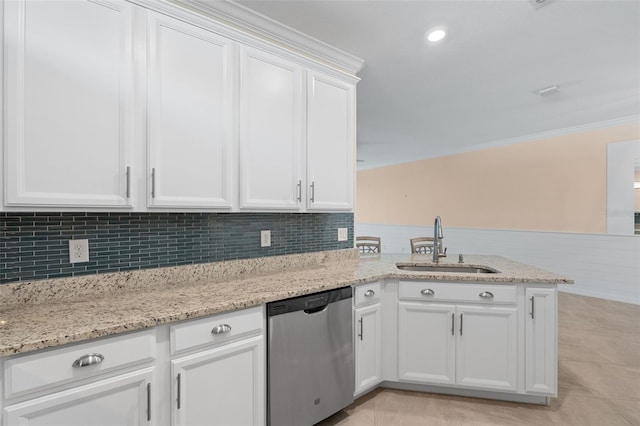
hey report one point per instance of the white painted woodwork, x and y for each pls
(443, 291)
(541, 365)
(119, 400)
(426, 344)
(330, 143)
(368, 347)
(68, 102)
(367, 293)
(44, 370)
(190, 112)
(487, 347)
(272, 115)
(199, 333)
(221, 386)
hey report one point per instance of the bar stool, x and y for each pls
(422, 245)
(368, 244)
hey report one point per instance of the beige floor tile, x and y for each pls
(602, 380)
(599, 348)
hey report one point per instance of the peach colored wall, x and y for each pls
(554, 184)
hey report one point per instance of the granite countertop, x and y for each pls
(73, 310)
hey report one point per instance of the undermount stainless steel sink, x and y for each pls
(465, 269)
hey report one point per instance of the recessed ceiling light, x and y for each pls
(436, 35)
(546, 91)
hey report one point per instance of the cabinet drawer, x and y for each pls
(42, 370)
(216, 329)
(367, 293)
(457, 292)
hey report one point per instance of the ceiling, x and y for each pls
(475, 89)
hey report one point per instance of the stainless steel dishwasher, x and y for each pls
(310, 357)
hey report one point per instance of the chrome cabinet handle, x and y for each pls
(178, 391)
(453, 324)
(148, 402)
(299, 191)
(486, 295)
(461, 324)
(221, 329)
(533, 307)
(369, 293)
(313, 192)
(87, 360)
(128, 182)
(427, 292)
(153, 183)
(361, 331)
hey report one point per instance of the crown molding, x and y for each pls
(243, 19)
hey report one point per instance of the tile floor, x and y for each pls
(598, 380)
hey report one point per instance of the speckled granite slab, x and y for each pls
(108, 304)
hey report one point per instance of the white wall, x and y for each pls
(604, 266)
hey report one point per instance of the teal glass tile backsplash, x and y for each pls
(35, 245)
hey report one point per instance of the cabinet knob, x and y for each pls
(87, 360)
(486, 295)
(369, 293)
(221, 329)
(427, 292)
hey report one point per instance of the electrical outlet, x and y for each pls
(78, 251)
(343, 234)
(265, 238)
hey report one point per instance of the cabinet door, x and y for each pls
(123, 400)
(426, 343)
(368, 348)
(190, 112)
(271, 124)
(330, 143)
(223, 386)
(68, 113)
(541, 363)
(486, 348)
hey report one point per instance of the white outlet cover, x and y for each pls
(343, 234)
(78, 251)
(265, 238)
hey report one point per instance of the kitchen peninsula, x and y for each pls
(153, 317)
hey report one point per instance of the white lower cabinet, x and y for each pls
(368, 348)
(426, 344)
(102, 382)
(487, 347)
(211, 373)
(367, 336)
(457, 342)
(471, 346)
(218, 370)
(222, 386)
(541, 364)
(123, 400)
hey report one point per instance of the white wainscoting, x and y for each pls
(604, 266)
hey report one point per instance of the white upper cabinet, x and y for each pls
(190, 115)
(271, 131)
(330, 143)
(68, 115)
(110, 105)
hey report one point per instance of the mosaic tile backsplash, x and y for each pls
(35, 245)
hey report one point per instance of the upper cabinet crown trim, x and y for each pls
(256, 25)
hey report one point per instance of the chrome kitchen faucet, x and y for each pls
(437, 240)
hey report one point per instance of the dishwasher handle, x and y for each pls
(316, 310)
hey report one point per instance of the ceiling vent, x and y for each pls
(537, 4)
